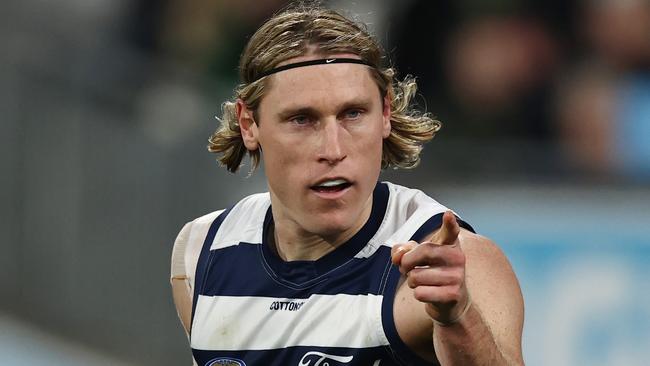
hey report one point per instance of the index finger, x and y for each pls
(449, 230)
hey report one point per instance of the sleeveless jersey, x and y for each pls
(252, 308)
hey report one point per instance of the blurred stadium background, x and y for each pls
(107, 104)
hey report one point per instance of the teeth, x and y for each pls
(332, 183)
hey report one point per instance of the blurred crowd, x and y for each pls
(574, 74)
(553, 87)
(549, 88)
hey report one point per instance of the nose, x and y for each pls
(331, 149)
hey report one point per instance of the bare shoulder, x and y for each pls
(487, 266)
(476, 243)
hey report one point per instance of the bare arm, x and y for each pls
(180, 281)
(490, 332)
(467, 286)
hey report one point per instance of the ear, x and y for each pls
(247, 126)
(386, 114)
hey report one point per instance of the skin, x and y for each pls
(333, 125)
(314, 135)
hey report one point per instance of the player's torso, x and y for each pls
(252, 308)
(255, 316)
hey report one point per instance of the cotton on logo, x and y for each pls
(323, 359)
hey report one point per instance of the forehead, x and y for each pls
(320, 85)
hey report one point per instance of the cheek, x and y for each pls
(285, 164)
(368, 145)
(289, 151)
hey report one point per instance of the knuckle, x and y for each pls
(460, 256)
(455, 258)
(431, 252)
(412, 281)
(397, 248)
(454, 294)
(457, 274)
(446, 298)
(421, 295)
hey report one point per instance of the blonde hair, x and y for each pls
(310, 28)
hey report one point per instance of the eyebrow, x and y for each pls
(294, 111)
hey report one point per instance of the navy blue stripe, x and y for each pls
(203, 262)
(465, 225)
(294, 355)
(401, 351)
(242, 262)
(434, 223)
(306, 273)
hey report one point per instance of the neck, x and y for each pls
(293, 243)
(301, 248)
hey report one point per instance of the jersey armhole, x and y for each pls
(201, 262)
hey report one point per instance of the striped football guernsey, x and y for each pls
(252, 308)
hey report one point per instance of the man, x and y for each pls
(331, 267)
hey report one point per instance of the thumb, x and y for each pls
(449, 231)
(398, 251)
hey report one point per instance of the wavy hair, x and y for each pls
(308, 28)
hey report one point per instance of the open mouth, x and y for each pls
(334, 185)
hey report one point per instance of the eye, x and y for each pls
(352, 114)
(300, 119)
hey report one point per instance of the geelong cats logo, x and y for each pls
(226, 362)
(323, 359)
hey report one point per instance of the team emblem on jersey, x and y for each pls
(323, 358)
(224, 361)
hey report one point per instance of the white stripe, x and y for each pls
(406, 211)
(247, 216)
(248, 323)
